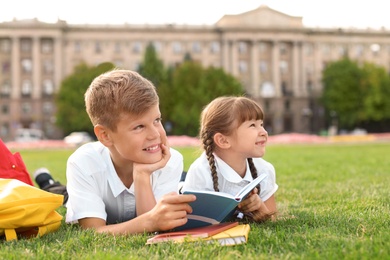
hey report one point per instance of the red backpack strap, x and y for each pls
(12, 165)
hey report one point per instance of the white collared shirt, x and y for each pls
(95, 190)
(229, 181)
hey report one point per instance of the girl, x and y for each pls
(234, 139)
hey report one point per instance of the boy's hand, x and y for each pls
(147, 169)
(170, 211)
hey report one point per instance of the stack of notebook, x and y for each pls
(228, 233)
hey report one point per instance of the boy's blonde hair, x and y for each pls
(116, 92)
(224, 115)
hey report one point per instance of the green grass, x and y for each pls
(333, 202)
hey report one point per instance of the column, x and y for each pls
(275, 68)
(57, 63)
(317, 67)
(234, 59)
(255, 69)
(15, 68)
(225, 55)
(303, 71)
(36, 69)
(295, 69)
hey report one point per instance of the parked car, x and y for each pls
(28, 135)
(78, 138)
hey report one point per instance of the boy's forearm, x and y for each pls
(144, 196)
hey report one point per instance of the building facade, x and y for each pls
(277, 59)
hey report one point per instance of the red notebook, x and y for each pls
(191, 234)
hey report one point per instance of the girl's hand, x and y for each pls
(255, 207)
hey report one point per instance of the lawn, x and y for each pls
(333, 203)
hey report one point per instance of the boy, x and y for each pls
(125, 183)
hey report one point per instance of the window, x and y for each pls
(25, 45)
(263, 47)
(375, 49)
(267, 89)
(118, 63)
(48, 66)
(27, 65)
(26, 87)
(283, 65)
(157, 46)
(5, 45)
(4, 131)
(6, 66)
(4, 109)
(242, 48)
(48, 87)
(47, 46)
(26, 108)
(242, 66)
(359, 50)
(287, 105)
(325, 49)
(283, 49)
(47, 108)
(177, 47)
(98, 47)
(196, 48)
(309, 86)
(137, 47)
(117, 47)
(77, 47)
(342, 50)
(215, 47)
(263, 66)
(6, 88)
(309, 49)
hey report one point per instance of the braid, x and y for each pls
(208, 145)
(253, 171)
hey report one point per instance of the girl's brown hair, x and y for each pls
(224, 115)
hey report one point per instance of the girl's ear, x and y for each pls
(102, 135)
(221, 141)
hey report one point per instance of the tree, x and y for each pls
(360, 96)
(190, 89)
(376, 106)
(342, 92)
(71, 115)
(152, 67)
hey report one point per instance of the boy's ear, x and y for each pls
(102, 135)
(221, 141)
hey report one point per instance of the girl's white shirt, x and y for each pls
(229, 181)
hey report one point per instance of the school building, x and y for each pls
(277, 58)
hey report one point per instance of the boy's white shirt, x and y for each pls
(95, 190)
(199, 177)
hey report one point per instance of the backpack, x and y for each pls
(12, 165)
(27, 211)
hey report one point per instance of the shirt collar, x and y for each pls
(116, 185)
(229, 174)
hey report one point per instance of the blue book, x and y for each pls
(212, 207)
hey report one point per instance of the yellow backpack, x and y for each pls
(27, 211)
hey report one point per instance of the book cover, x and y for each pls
(212, 207)
(191, 234)
(232, 236)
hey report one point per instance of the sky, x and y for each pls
(315, 13)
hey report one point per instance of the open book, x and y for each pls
(212, 207)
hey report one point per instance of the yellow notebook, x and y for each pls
(233, 236)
